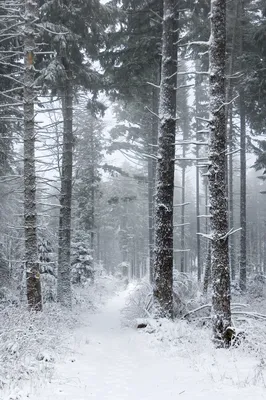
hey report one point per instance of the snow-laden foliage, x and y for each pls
(139, 303)
(31, 342)
(82, 264)
(186, 295)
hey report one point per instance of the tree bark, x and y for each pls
(231, 197)
(208, 268)
(243, 184)
(30, 216)
(221, 298)
(163, 249)
(64, 244)
(229, 118)
(183, 199)
(197, 83)
(151, 179)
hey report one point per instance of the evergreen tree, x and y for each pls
(217, 176)
(163, 249)
(75, 30)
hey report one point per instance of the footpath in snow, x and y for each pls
(116, 363)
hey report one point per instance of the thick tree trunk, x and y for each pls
(221, 297)
(64, 245)
(163, 249)
(30, 216)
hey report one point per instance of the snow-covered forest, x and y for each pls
(132, 208)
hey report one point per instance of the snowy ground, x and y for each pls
(116, 363)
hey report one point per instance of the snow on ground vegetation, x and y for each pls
(32, 343)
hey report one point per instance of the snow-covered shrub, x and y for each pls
(256, 285)
(93, 296)
(47, 260)
(187, 293)
(30, 341)
(82, 268)
(139, 303)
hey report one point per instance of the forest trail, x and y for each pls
(111, 362)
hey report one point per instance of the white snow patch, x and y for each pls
(117, 363)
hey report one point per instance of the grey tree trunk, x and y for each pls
(231, 197)
(30, 216)
(163, 249)
(64, 242)
(243, 184)
(151, 178)
(221, 298)
(229, 118)
(183, 199)
(208, 268)
(197, 83)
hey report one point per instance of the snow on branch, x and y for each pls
(210, 236)
(187, 142)
(194, 73)
(153, 113)
(153, 85)
(229, 233)
(181, 250)
(196, 43)
(227, 103)
(181, 204)
(197, 309)
(233, 152)
(179, 225)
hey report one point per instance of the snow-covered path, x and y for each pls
(116, 363)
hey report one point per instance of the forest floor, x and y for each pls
(112, 362)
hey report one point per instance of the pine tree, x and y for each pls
(163, 249)
(31, 249)
(217, 176)
(75, 31)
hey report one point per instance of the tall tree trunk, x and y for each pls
(243, 184)
(163, 249)
(229, 118)
(151, 176)
(231, 197)
(208, 269)
(221, 297)
(198, 178)
(64, 245)
(183, 199)
(30, 215)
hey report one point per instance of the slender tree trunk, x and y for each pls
(208, 268)
(198, 180)
(163, 249)
(243, 184)
(221, 297)
(229, 118)
(231, 197)
(30, 215)
(151, 177)
(64, 265)
(183, 199)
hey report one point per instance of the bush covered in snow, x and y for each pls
(30, 341)
(140, 301)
